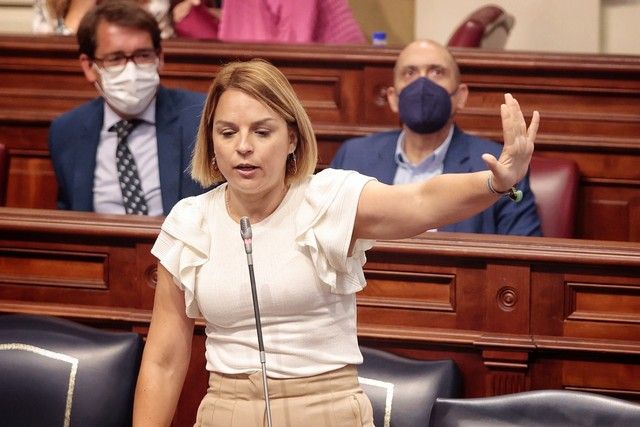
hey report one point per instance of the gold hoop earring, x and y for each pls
(292, 163)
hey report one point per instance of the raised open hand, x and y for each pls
(514, 160)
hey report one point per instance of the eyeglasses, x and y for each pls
(116, 62)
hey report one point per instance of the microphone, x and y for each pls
(245, 233)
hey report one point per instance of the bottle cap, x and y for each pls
(379, 37)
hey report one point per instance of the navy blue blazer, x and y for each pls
(73, 144)
(373, 155)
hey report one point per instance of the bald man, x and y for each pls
(427, 93)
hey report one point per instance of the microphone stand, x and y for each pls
(245, 232)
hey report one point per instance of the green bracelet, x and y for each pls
(513, 193)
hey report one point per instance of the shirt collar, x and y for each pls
(434, 159)
(148, 115)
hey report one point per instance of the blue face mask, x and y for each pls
(424, 106)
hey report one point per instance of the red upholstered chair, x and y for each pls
(4, 173)
(487, 27)
(554, 183)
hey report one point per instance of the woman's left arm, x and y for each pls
(399, 211)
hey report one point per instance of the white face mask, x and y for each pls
(130, 91)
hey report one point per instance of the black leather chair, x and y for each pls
(55, 372)
(544, 408)
(402, 390)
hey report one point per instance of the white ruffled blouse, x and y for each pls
(305, 277)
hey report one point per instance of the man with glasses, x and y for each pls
(127, 151)
(427, 93)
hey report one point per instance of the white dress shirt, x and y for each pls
(107, 197)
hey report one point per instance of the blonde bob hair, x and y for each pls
(264, 82)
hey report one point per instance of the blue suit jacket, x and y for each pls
(73, 144)
(374, 156)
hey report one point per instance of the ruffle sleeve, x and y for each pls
(324, 226)
(182, 246)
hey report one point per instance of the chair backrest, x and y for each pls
(486, 27)
(402, 390)
(55, 372)
(4, 173)
(554, 182)
(544, 408)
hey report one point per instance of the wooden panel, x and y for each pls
(48, 258)
(424, 291)
(612, 303)
(507, 293)
(32, 182)
(590, 107)
(52, 268)
(434, 291)
(607, 205)
(514, 313)
(375, 108)
(586, 374)
(601, 376)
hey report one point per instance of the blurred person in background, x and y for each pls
(62, 17)
(272, 21)
(120, 55)
(427, 93)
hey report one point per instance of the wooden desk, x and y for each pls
(590, 108)
(515, 313)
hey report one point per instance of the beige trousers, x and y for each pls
(333, 399)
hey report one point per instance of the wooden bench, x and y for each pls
(590, 108)
(514, 313)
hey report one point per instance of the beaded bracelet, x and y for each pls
(513, 193)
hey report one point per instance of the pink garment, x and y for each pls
(198, 24)
(289, 21)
